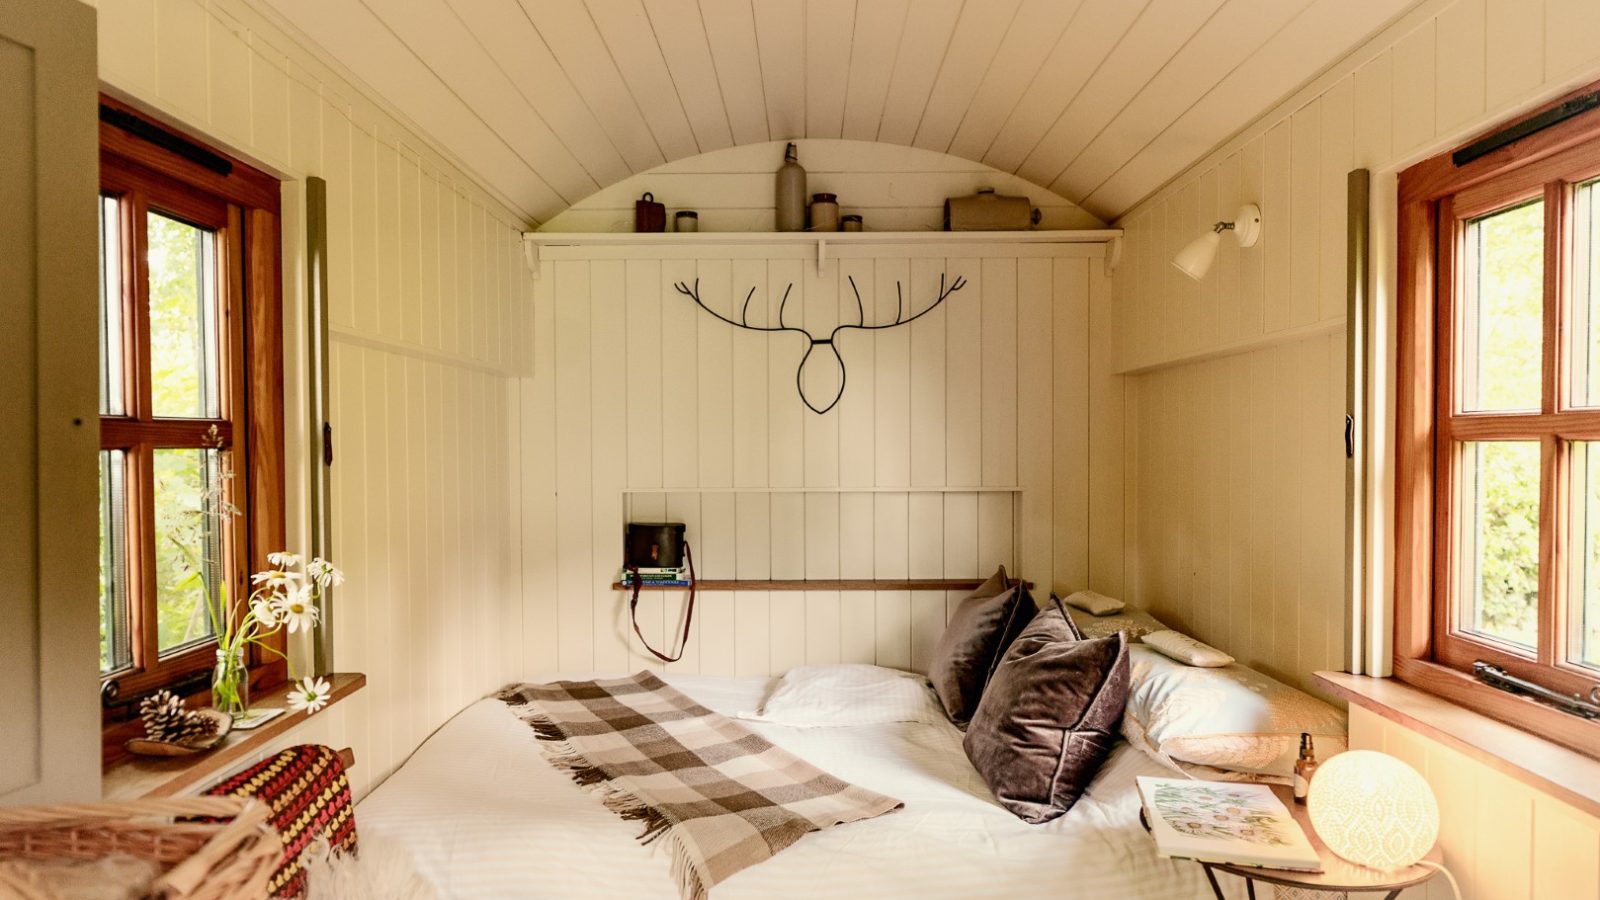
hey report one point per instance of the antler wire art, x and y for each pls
(830, 341)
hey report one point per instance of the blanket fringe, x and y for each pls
(690, 885)
(560, 753)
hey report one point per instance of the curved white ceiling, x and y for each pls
(1101, 101)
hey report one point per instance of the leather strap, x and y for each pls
(688, 616)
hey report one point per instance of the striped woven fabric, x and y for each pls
(309, 795)
(719, 796)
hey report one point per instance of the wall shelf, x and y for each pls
(817, 584)
(541, 244)
(132, 777)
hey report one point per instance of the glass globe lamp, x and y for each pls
(1373, 810)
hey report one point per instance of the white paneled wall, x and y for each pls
(1234, 485)
(962, 440)
(1237, 491)
(427, 283)
(1235, 482)
(894, 188)
(1501, 838)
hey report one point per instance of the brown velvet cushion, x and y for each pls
(980, 630)
(1049, 717)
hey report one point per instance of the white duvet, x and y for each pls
(483, 815)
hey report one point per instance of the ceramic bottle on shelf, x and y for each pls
(824, 212)
(791, 192)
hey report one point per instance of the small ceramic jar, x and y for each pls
(851, 222)
(686, 220)
(824, 212)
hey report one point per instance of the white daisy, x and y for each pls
(266, 610)
(323, 573)
(276, 578)
(311, 694)
(296, 610)
(283, 559)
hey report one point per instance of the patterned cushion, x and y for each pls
(310, 797)
(1135, 623)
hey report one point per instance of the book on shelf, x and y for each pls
(657, 577)
(1224, 822)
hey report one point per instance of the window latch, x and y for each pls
(327, 443)
(1494, 676)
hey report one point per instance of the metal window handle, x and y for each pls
(1349, 436)
(1495, 676)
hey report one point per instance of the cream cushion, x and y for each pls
(1231, 718)
(1095, 604)
(1186, 649)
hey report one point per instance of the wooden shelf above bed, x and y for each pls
(915, 584)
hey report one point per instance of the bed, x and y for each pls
(483, 815)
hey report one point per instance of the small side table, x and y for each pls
(1337, 875)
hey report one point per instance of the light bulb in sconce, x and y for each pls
(1195, 259)
(1373, 810)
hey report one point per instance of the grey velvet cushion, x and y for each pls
(1049, 717)
(978, 633)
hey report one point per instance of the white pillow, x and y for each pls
(1186, 649)
(849, 695)
(1095, 604)
(1233, 718)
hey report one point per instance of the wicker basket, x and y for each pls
(198, 861)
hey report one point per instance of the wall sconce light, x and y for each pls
(1195, 259)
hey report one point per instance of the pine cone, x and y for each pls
(165, 719)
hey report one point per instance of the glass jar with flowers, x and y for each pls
(284, 598)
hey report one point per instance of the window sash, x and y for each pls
(1555, 426)
(241, 209)
(138, 433)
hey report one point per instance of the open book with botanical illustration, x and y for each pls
(1224, 822)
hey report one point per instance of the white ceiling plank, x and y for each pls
(731, 30)
(682, 36)
(511, 40)
(433, 32)
(549, 101)
(634, 48)
(781, 38)
(350, 32)
(923, 43)
(830, 27)
(571, 35)
(1320, 34)
(981, 28)
(1094, 32)
(1037, 28)
(1227, 39)
(879, 24)
(1161, 29)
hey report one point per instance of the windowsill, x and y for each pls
(144, 776)
(1540, 763)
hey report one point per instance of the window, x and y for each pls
(1498, 500)
(190, 400)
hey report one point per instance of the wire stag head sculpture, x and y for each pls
(831, 341)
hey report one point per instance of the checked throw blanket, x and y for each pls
(721, 797)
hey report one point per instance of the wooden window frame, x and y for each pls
(1436, 198)
(242, 208)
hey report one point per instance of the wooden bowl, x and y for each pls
(188, 746)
